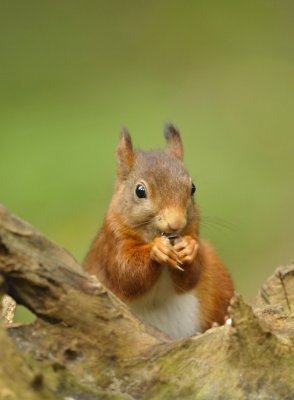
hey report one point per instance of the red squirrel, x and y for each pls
(149, 252)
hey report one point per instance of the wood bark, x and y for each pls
(86, 344)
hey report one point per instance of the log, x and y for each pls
(86, 344)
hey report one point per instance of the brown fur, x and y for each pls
(128, 253)
(214, 288)
(121, 260)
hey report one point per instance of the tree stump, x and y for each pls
(85, 343)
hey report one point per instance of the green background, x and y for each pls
(73, 72)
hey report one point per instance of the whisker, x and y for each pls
(205, 221)
(216, 222)
(143, 223)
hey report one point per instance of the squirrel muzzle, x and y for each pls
(172, 221)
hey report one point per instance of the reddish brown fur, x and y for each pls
(121, 253)
(121, 260)
(214, 288)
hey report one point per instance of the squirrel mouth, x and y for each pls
(171, 237)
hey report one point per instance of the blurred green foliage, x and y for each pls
(73, 72)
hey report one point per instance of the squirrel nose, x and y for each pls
(176, 227)
(172, 220)
(176, 222)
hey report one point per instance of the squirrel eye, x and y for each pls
(193, 189)
(141, 191)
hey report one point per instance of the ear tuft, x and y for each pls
(124, 154)
(174, 141)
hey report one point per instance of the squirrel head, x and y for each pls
(154, 191)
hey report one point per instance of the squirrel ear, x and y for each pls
(124, 154)
(174, 141)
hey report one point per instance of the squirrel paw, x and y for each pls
(163, 253)
(186, 248)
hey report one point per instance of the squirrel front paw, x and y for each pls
(186, 248)
(164, 253)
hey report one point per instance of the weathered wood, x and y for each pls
(8, 309)
(85, 343)
(278, 290)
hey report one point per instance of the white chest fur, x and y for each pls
(178, 315)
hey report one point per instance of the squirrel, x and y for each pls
(149, 252)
